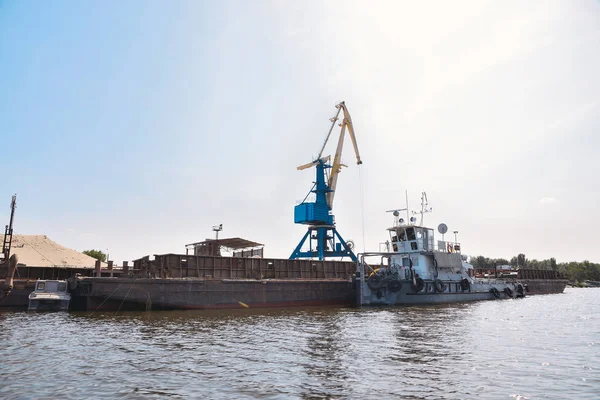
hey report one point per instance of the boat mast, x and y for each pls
(407, 208)
(424, 207)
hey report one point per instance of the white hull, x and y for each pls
(49, 305)
(453, 293)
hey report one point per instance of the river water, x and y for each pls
(541, 347)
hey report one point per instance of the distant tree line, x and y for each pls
(575, 271)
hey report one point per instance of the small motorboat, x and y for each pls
(49, 295)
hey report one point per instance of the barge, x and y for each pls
(537, 281)
(178, 281)
(202, 280)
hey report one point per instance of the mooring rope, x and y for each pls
(37, 251)
(104, 301)
(126, 294)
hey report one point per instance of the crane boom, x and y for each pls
(350, 125)
(332, 119)
(336, 168)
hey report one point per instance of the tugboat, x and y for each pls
(419, 270)
(49, 295)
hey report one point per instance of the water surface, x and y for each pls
(541, 347)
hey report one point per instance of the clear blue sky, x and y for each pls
(135, 126)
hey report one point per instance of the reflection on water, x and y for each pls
(539, 347)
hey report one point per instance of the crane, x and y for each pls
(6, 284)
(318, 214)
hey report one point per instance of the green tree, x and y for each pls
(501, 261)
(97, 254)
(478, 262)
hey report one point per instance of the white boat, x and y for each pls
(417, 269)
(49, 295)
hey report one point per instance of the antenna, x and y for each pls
(424, 207)
(406, 195)
(396, 214)
(217, 229)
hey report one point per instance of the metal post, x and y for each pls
(98, 268)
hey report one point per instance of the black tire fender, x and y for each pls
(394, 286)
(439, 285)
(375, 282)
(419, 285)
(495, 292)
(465, 284)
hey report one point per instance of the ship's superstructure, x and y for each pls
(417, 269)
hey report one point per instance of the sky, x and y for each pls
(134, 127)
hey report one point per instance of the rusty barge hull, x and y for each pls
(179, 282)
(124, 294)
(544, 286)
(542, 281)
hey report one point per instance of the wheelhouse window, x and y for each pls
(398, 235)
(62, 287)
(41, 286)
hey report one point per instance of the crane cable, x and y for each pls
(362, 206)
